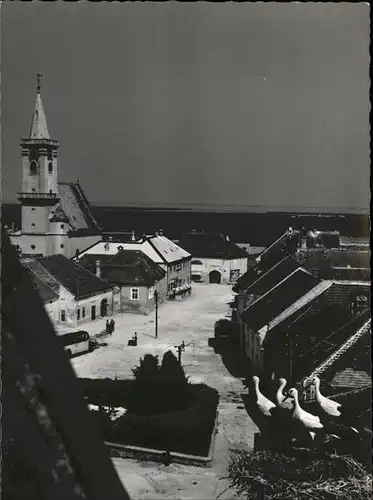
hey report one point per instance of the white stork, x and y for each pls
(311, 423)
(281, 400)
(264, 404)
(329, 408)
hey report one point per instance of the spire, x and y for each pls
(39, 127)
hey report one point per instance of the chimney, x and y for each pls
(133, 235)
(13, 226)
(98, 268)
(160, 232)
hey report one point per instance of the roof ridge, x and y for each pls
(276, 286)
(301, 302)
(268, 271)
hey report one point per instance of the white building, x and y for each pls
(215, 259)
(168, 255)
(56, 216)
(72, 295)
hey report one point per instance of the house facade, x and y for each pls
(215, 259)
(140, 282)
(81, 296)
(170, 257)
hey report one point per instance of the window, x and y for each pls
(33, 167)
(63, 315)
(83, 312)
(50, 167)
(33, 190)
(32, 224)
(61, 245)
(33, 247)
(78, 314)
(151, 292)
(134, 294)
(33, 210)
(62, 226)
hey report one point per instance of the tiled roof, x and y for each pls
(74, 277)
(113, 247)
(322, 310)
(76, 207)
(272, 277)
(298, 306)
(46, 293)
(311, 258)
(41, 273)
(211, 245)
(350, 274)
(350, 367)
(58, 215)
(335, 329)
(268, 306)
(350, 240)
(288, 240)
(167, 249)
(128, 267)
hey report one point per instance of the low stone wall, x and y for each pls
(138, 453)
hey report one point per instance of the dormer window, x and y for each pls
(33, 167)
(50, 167)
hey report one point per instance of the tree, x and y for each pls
(175, 393)
(146, 396)
(148, 369)
(171, 369)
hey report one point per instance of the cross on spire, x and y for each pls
(39, 76)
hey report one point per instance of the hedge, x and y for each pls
(184, 431)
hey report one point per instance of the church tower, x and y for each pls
(39, 193)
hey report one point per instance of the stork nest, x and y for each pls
(274, 476)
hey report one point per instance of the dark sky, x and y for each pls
(218, 104)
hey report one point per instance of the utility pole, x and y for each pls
(180, 348)
(156, 313)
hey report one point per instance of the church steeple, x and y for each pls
(39, 126)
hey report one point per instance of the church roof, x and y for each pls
(39, 127)
(76, 208)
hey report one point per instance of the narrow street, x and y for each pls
(191, 320)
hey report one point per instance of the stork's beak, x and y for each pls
(288, 397)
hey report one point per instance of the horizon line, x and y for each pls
(224, 207)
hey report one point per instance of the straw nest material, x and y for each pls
(268, 475)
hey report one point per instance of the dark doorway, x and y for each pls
(93, 312)
(214, 277)
(104, 307)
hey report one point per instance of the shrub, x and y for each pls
(186, 431)
(108, 392)
(273, 476)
